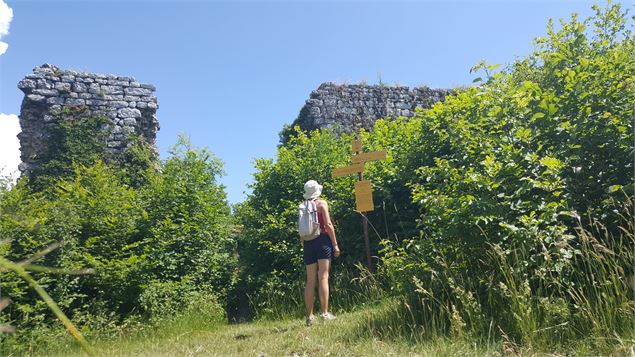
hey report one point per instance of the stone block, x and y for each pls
(128, 113)
(112, 97)
(114, 82)
(46, 92)
(79, 87)
(34, 76)
(36, 98)
(119, 104)
(43, 70)
(44, 84)
(27, 85)
(129, 122)
(94, 88)
(111, 90)
(137, 91)
(55, 100)
(75, 101)
(63, 87)
(95, 102)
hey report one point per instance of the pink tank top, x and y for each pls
(321, 220)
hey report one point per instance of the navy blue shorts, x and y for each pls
(318, 248)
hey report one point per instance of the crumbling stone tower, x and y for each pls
(349, 107)
(49, 91)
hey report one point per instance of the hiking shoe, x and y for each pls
(309, 320)
(327, 316)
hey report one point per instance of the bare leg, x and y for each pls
(309, 289)
(323, 278)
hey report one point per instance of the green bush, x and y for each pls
(173, 226)
(161, 300)
(509, 171)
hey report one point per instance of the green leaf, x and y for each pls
(614, 188)
(551, 163)
(537, 116)
(492, 67)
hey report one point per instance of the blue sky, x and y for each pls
(231, 74)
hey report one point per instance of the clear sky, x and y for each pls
(231, 74)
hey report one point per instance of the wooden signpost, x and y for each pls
(363, 191)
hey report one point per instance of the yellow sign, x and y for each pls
(347, 170)
(369, 156)
(364, 196)
(363, 191)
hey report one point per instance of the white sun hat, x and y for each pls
(312, 190)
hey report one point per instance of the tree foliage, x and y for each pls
(170, 230)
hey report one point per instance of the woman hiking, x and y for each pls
(318, 253)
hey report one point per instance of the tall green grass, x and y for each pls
(358, 333)
(350, 288)
(582, 304)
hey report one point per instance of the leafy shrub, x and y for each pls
(509, 170)
(172, 227)
(178, 299)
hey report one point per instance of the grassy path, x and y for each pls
(349, 335)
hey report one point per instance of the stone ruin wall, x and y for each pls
(130, 106)
(347, 108)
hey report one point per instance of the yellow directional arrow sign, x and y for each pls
(347, 170)
(369, 156)
(359, 159)
(364, 196)
(363, 191)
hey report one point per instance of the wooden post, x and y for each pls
(363, 191)
(369, 261)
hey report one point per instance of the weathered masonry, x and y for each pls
(347, 108)
(50, 91)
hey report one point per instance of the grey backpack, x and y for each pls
(308, 224)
